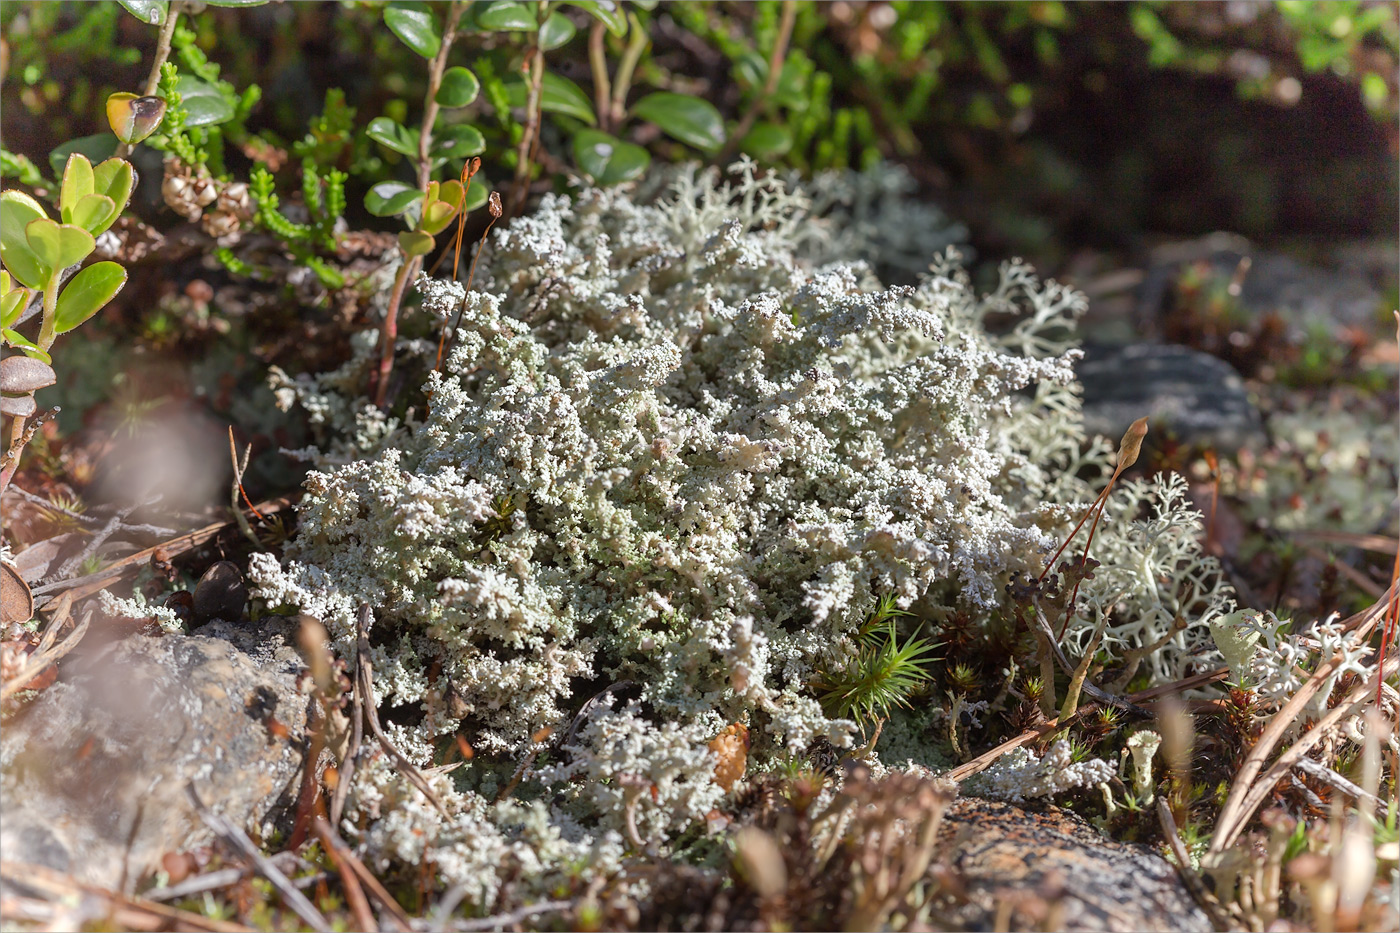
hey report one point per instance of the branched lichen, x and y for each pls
(667, 450)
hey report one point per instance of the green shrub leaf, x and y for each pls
(607, 159)
(506, 16)
(94, 213)
(390, 198)
(204, 104)
(459, 141)
(58, 246)
(691, 120)
(415, 24)
(556, 32)
(17, 211)
(90, 289)
(557, 95)
(12, 302)
(77, 184)
(148, 11)
(416, 243)
(767, 141)
(394, 135)
(477, 192)
(134, 118)
(15, 339)
(114, 179)
(607, 13)
(96, 147)
(459, 87)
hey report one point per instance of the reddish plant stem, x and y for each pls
(535, 73)
(389, 330)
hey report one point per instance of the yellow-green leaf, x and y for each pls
(90, 289)
(58, 246)
(77, 184)
(17, 211)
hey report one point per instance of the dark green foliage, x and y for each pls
(884, 672)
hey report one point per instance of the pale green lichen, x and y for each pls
(667, 450)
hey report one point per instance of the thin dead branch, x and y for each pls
(101, 579)
(125, 912)
(49, 653)
(100, 537)
(238, 840)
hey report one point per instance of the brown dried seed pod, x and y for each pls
(1131, 444)
(493, 204)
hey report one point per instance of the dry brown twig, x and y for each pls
(49, 653)
(101, 579)
(336, 847)
(1252, 783)
(238, 840)
(126, 912)
(365, 713)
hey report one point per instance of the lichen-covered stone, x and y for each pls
(93, 771)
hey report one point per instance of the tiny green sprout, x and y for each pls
(963, 678)
(884, 674)
(134, 118)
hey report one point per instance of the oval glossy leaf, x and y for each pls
(691, 120)
(415, 243)
(58, 246)
(451, 192)
(12, 303)
(17, 211)
(77, 184)
(606, 12)
(94, 213)
(459, 87)
(148, 11)
(607, 159)
(390, 198)
(396, 136)
(114, 178)
(477, 192)
(436, 217)
(19, 374)
(90, 289)
(557, 95)
(134, 118)
(415, 24)
(557, 31)
(457, 142)
(767, 142)
(96, 147)
(204, 105)
(506, 16)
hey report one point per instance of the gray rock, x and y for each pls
(1339, 292)
(1198, 397)
(93, 771)
(1053, 871)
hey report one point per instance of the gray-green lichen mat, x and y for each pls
(677, 444)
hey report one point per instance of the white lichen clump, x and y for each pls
(1019, 775)
(667, 450)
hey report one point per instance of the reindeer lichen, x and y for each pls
(668, 451)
